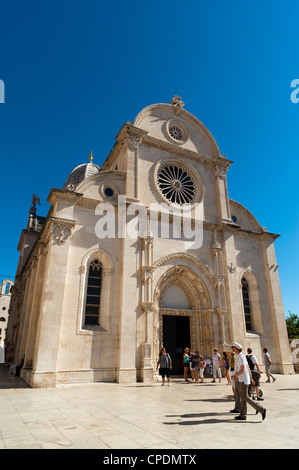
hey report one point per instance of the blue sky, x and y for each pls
(76, 71)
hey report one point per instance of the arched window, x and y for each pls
(93, 295)
(246, 304)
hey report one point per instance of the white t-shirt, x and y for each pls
(254, 362)
(216, 358)
(240, 360)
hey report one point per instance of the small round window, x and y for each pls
(175, 132)
(108, 192)
(234, 219)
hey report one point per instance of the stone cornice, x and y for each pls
(129, 129)
(62, 221)
(186, 153)
(62, 194)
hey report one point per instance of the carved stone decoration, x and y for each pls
(71, 187)
(222, 328)
(231, 268)
(186, 256)
(146, 351)
(221, 171)
(62, 228)
(177, 103)
(133, 142)
(35, 200)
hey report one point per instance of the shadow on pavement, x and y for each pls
(9, 381)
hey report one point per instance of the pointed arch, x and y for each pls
(94, 300)
(250, 301)
(199, 310)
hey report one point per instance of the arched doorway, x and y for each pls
(184, 318)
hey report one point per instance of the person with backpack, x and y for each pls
(255, 372)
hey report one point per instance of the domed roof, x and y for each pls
(80, 173)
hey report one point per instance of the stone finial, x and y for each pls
(35, 200)
(177, 101)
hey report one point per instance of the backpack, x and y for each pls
(250, 363)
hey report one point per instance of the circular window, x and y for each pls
(109, 192)
(176, 131)
(176, 184)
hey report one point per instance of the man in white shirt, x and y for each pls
(242, 374)
(216, 365)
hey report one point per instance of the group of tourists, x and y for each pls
(242, 373)
(194, 363)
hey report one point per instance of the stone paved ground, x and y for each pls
(144, 416)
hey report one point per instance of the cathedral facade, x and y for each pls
(143, 252)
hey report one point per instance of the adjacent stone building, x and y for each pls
(144, 251)
(5, 296)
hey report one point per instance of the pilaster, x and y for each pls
(147, 306)
(222, 194)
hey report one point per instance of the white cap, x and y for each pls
(237, 345)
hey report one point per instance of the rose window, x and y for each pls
(176, 184)
(175, 132)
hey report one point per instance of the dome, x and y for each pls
(80, 173)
